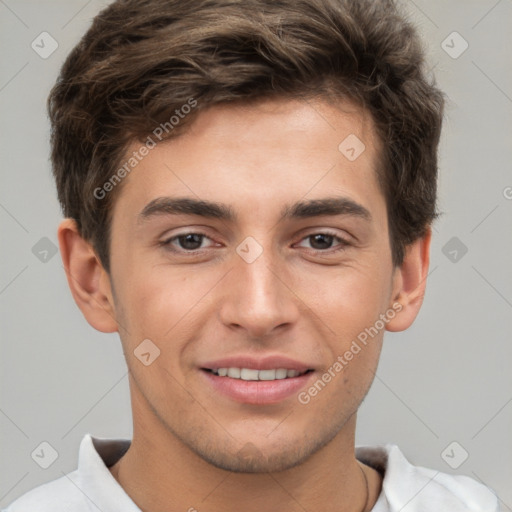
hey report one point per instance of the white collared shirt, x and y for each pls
(405, 488)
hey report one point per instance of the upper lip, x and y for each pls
(257, 363)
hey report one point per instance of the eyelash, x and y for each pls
(343, 243)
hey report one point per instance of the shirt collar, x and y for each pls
(405, 487)
(96, 480)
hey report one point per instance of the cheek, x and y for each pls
(351, 308)
(161, 300)
(352, 299)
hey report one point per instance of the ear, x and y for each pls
(409, 283)
(88, 281)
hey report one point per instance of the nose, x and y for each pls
(258, 297)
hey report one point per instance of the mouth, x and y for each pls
(273, 384)
(253, 374)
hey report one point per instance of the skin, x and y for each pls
(298, 299)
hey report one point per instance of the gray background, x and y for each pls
(446, 379)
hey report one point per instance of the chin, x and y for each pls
(251, 460)
(258, 457)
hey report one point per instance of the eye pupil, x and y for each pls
(190, 241)
(325, 241)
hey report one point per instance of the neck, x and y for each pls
(180, 480)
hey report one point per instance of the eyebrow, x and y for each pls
(300, 210)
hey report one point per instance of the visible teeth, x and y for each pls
(247, 374)
(267, 374)
(252, 374)
(234, 373)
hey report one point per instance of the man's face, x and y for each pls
(270, 287)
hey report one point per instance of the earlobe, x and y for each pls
(87, 279)
(410, 281)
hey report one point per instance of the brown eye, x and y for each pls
(321, 241)
(186, 242)
(324, 242)
(191, 241)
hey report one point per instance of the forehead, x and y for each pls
(259, 154)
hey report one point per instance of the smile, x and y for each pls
(253, 374)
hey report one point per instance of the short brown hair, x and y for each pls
(142, 60)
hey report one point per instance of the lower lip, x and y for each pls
(258, 392)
